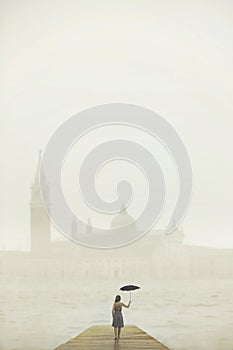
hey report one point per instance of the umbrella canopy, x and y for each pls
(129, 288)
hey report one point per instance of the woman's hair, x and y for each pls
(118, 298)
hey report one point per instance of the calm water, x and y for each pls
(39, 315)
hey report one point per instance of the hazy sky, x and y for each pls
(174, 57)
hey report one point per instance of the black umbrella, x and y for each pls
(129, 288)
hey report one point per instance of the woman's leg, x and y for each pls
(115, 332)
(119, 332)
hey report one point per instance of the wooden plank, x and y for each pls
(102, 338)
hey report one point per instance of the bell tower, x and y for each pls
(40, 222)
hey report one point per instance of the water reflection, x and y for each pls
(117, 345)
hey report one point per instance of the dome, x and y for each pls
(122, 219)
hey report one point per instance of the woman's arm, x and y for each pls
(127, 305)
(113, 310)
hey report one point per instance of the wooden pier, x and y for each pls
(102, 338)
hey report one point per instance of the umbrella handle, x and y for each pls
(130, 295)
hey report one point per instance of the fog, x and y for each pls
(174, 57)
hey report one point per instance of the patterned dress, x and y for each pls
(117, 318)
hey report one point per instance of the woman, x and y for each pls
(118, 322)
